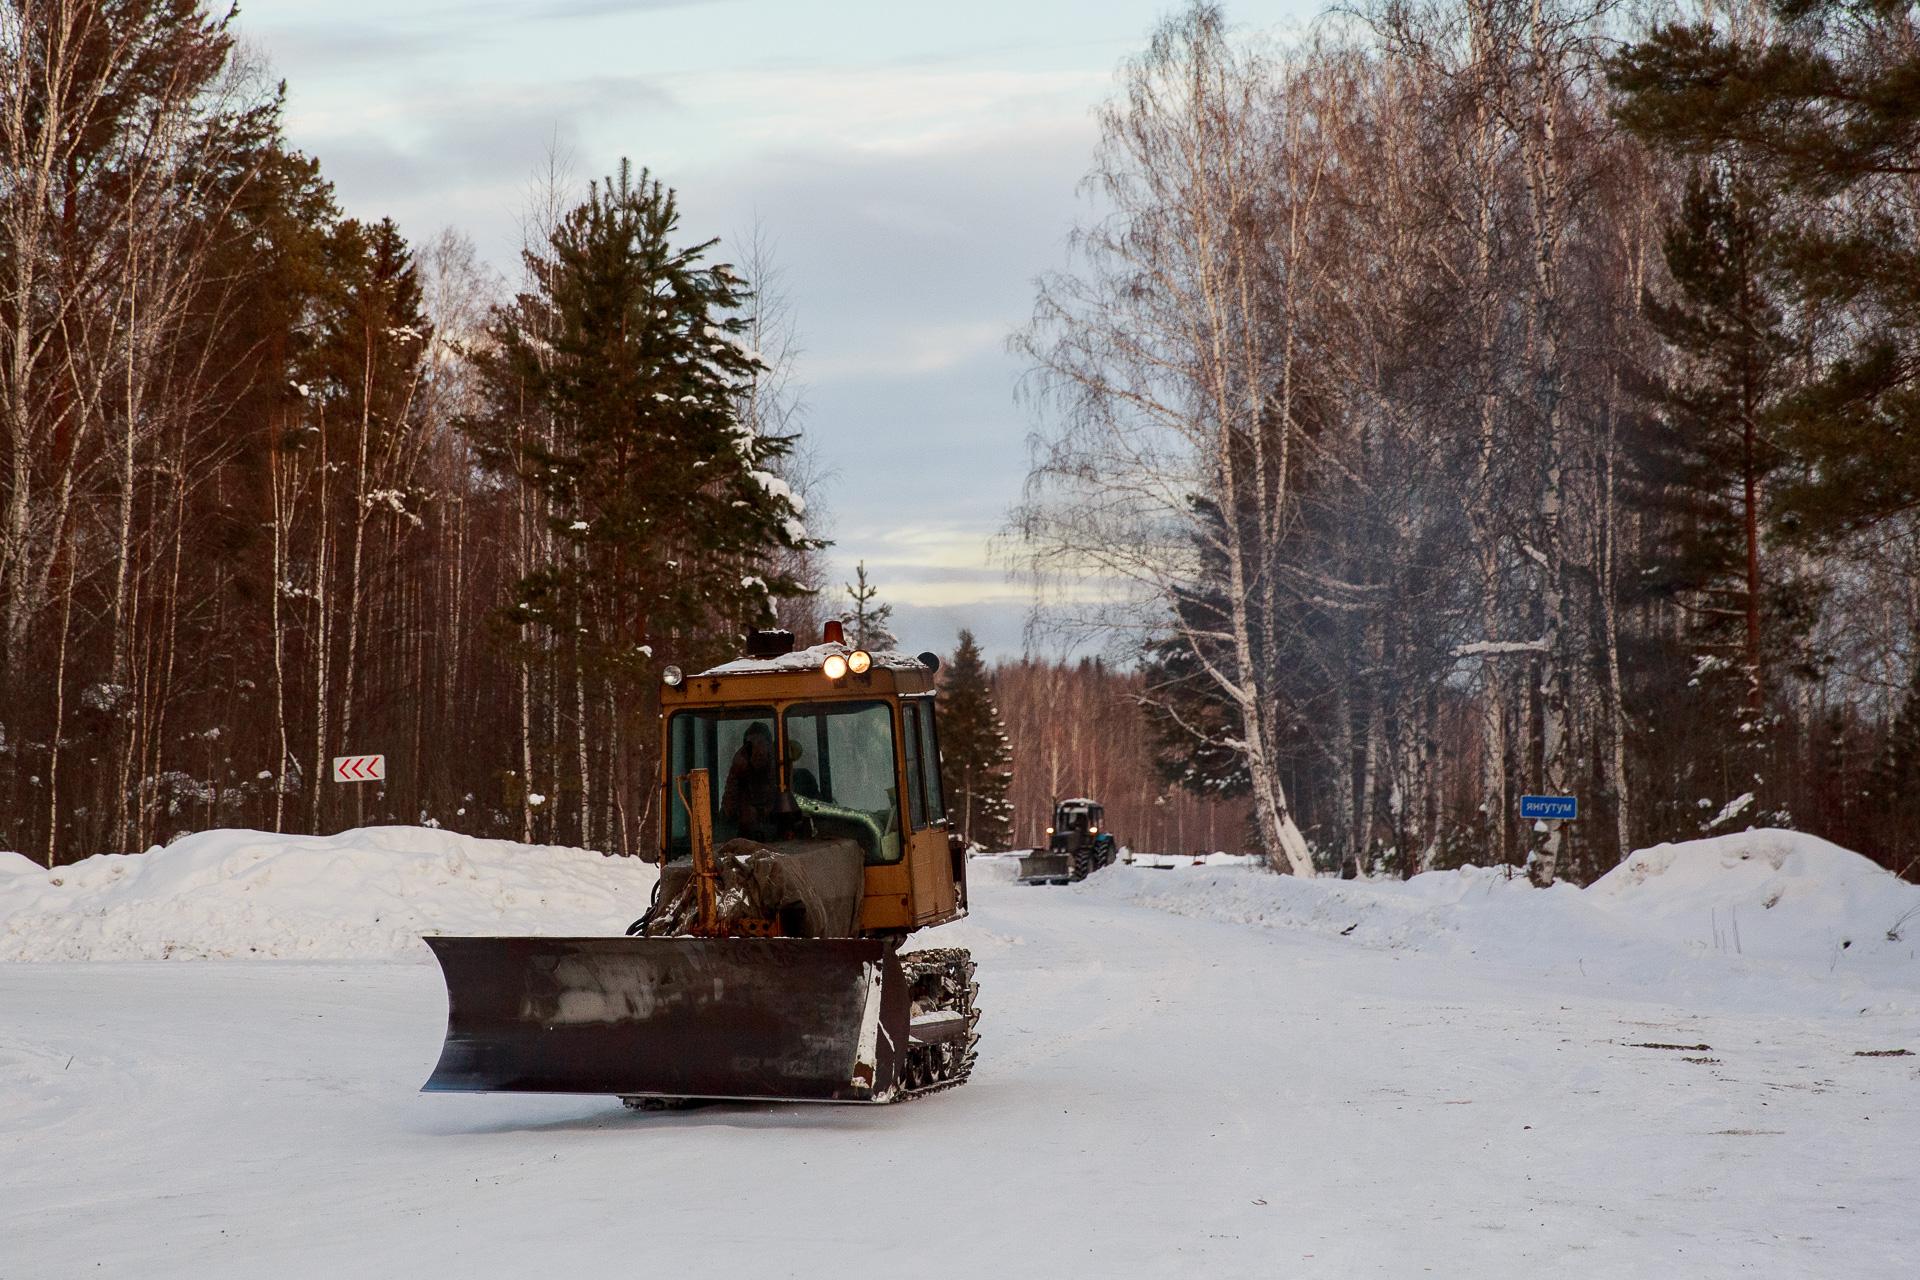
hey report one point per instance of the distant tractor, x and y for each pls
(1077, 845)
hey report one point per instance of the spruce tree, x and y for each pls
(612, 389)
(868, 621)
(1196, 728)
(976, 760)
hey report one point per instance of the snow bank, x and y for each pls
(1777, 895)
(15, 864)
(1775, 904)
(365, 894)
(1460, 909)
(1187, 860)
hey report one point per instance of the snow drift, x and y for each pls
(1766, 903)
(365, 894)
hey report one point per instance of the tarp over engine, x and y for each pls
(812, 887)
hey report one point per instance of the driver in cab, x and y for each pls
(751, 799)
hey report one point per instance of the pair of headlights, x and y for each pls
(836, 667)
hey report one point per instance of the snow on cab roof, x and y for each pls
(810, 660)
(1081, 800)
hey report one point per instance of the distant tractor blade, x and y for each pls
(770, 1018)
(1041, 867)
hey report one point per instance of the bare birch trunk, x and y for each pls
(59, 717)
(580, 742)
(323, 638)
(281, 508)
(1539, 143)
(362, 512)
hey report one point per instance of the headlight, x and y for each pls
(1093, 831)
(859, 662)
(835, 667)
(673, 676)
(1049, 830)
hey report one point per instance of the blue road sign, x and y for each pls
(1550, 808)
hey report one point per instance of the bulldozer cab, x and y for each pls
(827, 745)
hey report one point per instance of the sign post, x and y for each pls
(360, 768)
(1547, 813)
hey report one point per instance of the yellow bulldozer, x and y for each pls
(804, 837)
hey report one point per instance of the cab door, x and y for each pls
(936, 893)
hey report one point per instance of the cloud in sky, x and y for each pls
(915, 165)
(928, 348)
(901, 110)
(609, 8)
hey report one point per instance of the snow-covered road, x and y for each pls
(1156, 1096)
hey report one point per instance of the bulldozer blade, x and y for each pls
(768, 1018)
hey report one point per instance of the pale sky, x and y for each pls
(915, 165)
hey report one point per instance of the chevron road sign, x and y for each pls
(359, 768)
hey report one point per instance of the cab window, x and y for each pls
(927, 806)
(936, 788)
(840, 767)
(742, 775)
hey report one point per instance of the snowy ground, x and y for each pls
(1189, 1071)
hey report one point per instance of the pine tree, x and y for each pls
(1710, 464)
(1893, 792)
(868, 621)
(976, 760)
(1823, 111)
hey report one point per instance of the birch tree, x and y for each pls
(1175, 358)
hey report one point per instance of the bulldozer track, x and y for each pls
(940, 980)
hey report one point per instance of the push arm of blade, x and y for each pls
(698, 798)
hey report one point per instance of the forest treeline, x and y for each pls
(280, 485)
(277, 485)
(1474, 398)
(1468, 398)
